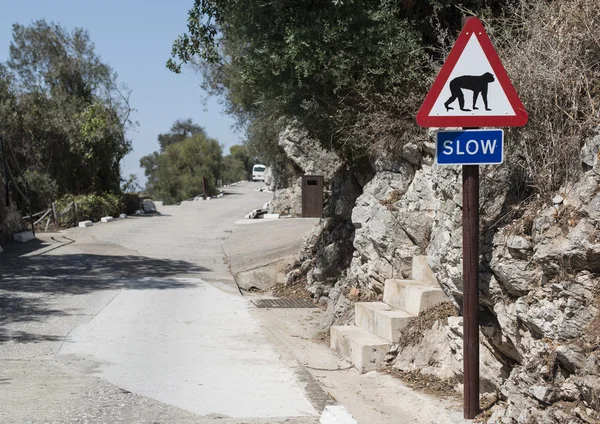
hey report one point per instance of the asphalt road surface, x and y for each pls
(139, 320)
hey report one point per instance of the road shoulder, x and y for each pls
(372, 397)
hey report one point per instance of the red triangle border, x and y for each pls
(473, 25)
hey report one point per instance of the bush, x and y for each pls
(131, 203)
(91, 207)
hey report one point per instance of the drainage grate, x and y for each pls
(283, 303)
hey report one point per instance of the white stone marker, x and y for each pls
(24, 236)
(336, 414)
(106, 219)
(123, 216)
(83, 224)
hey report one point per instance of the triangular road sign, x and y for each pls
(472, 88)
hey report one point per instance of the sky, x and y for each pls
(134, 37)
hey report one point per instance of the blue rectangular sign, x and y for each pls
(470, 147)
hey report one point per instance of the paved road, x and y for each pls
(140, 321)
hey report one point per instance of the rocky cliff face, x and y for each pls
(540, 279)
(306, 157)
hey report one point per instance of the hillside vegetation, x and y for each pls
(186, 155)
(353, 73)
(63, 115)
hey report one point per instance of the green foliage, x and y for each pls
(90, 207)
(233, 170)
(180, 130)
(131, 203)
(62, 113)
(131, 184)
(46, 190)
(262, 138)
(350, 72)
(240, 154)
(175, 174)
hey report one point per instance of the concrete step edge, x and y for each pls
(353, 332)
(363, 349)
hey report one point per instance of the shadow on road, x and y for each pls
(31, 286)
(25, 337)
(81, 273)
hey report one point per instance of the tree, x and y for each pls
(233, 170)
(175, 173)
(63, 113)
(351, 72)
(180, 130)
(240, 154)
(131, 184)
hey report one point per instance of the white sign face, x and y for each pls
(472, 88)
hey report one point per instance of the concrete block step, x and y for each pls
(23, 236)
(381, 319)
(412, 296)
(422, 272)
(365, 350)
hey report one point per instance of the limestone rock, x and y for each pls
(345, 189)
(412, 153)
(569, 391)
(269, 178)
(148, 205)
(331, 261)
(578, 249)
(517, 277)
(393, 219)
(571, 357)
(338, 312)
(436, 354)
(519, 247)
(590, 153)
(287, 201)
(544, 394)
(589, 387)
(308, 154)
(440, 353)
(539, 277)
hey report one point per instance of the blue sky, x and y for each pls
(134, 37)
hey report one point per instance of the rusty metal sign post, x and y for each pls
(472, 90)
(470, 221)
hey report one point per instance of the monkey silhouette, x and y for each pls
(477, 84)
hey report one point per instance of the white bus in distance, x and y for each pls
(258, 173)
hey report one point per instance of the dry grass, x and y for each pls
(323, 337)
(551, 50)
(390, 201)
(292, 291)
(413, 333)
(426, 383)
